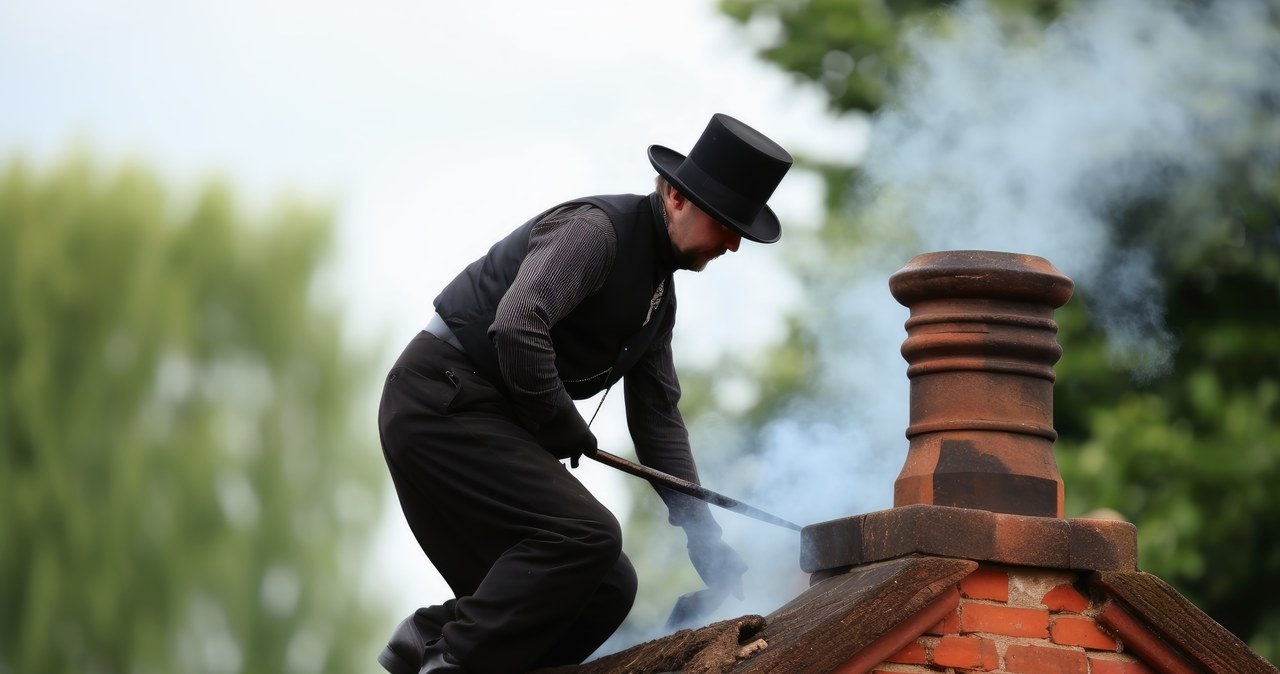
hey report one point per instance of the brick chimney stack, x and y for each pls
(980, 481)
(975, 568)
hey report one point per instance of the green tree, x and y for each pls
(179, 473)
(854, 49)
(1188, 454)
(1191, 456)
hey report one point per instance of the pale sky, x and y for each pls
(433, 128)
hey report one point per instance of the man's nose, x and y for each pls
(733, 242)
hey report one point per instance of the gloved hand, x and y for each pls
(720, 566)
(567, 436)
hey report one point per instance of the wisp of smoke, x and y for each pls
(1021, 141)
(1028, 143)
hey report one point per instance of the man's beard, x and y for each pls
(694, 262)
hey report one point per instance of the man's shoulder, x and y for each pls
(596, 211)
(614, 202)
(587, 226)
(575, 215)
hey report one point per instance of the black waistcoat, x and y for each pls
(602, 337)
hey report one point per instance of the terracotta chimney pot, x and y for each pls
(980, 481)
(981, 345)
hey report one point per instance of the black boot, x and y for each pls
(403, 652)
(407, 649)
(438, 661)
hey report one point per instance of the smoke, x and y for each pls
(1029, 142)
(1005, 138)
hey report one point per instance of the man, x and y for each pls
(478, 411)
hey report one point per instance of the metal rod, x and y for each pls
(686, 487)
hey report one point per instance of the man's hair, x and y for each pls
(661, 185)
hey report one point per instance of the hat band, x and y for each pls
(722, 199)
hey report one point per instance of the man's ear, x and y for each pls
(678, 200)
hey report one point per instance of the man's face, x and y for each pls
(696, 236)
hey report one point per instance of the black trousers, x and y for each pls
(534, 560)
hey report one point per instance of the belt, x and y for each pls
(440, 329)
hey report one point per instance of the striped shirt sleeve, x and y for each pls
(652, 391)
(571, 252)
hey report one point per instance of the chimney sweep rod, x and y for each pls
(699, 492)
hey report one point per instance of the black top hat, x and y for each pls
(730, 173)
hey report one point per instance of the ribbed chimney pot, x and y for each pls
(981, 345)
(980, 481)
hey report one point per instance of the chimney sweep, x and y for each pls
(478, 411)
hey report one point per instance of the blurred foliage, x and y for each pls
(854, 49)
(178, 474)
(1190, 456)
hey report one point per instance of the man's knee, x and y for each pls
(623, 578)
(600, 538)
(612, 602)
(596, 622)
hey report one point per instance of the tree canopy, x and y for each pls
(180, 478)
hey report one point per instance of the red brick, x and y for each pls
(986, 584)
(948, 625)
(1081, 631)
(911, 654)
(1025, 659)
(1120, 666)
(1065, 598)
(966, 653)
(1014, 622)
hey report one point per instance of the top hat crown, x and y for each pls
(730, 173)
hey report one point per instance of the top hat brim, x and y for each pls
(764, 229)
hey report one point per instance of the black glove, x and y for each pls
(720, 566)
(692, 608)
(567, 436)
